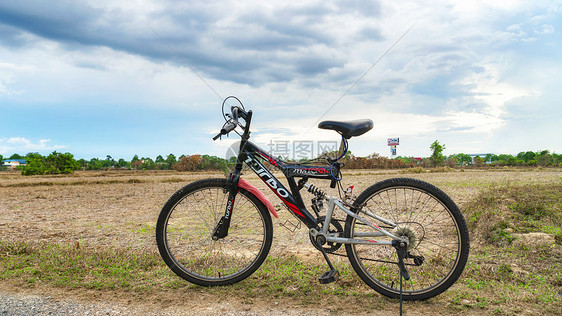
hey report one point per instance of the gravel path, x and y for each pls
(24, 304)
(18, 304)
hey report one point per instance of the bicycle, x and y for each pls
(219, 231)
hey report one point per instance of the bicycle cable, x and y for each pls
(225, 115)
(345, 149)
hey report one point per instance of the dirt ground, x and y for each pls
(120, 209)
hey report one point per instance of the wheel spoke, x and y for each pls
(423, 216)
(189, 227)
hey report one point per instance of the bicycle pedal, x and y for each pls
(329, 277)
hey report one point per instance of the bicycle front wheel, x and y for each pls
(186, 225)
(437, 232)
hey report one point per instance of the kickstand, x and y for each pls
(401, 251)
(400, 292)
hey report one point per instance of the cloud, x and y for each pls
(253, 44)
(466, 68)
(23, 146)
(7, 71)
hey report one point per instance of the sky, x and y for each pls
(147, 78)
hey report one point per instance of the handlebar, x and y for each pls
(228, 128)
(232, 123)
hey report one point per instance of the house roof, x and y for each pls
(21, 161)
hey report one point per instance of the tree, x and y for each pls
(83, 163)
(170, 161)
(462, 159)
(16, 156)
(479, 162)
(437, 156)
(526, 156)
(123, 164)
(491, 158)
(147, 163)
(95, 164)
(55, 163)
(35, 165)
(188, 163)
(544, 158)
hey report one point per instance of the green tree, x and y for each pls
(463, 159)
(544, 158)
(57, 163)
(16, 156)
(170, 161)
(479, 162)
(437, 156)
(147, 164)
(491, 158)
(109, 162)
(557, 159)
(95, 164)
(122, 163)
(526, 156)
(83, 163)
(160, 163)
(503, 159)
(35, 165)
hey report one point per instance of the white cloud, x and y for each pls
(7, 74)
(453, 74)
(492, 91)
(22, 146)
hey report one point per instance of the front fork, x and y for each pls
(221, 230)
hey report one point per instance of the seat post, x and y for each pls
(342, 147)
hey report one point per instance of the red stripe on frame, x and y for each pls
(294, 208)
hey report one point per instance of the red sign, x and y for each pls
(393, 141)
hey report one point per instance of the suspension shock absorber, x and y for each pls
(320, 194)
(317, 204)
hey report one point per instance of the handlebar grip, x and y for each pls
(228, 127)
(231, 125)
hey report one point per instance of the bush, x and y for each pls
(522, 209)
(55, 163)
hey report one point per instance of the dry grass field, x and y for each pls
(90, 236)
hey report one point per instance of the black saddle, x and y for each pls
(348, 129)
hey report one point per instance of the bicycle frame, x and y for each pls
(249, 153)
(293, 199)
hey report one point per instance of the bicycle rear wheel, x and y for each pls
(186, 225)
(439, 241)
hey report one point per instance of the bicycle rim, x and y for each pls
(436, 231)
(189, 228)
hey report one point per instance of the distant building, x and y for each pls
(13, 163)
(483, 156)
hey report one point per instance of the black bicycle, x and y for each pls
(219, 231)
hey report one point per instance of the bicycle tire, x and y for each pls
(186, 225)
(435, 226)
